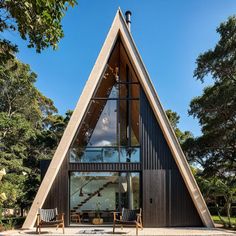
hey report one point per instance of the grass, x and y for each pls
(217, 220)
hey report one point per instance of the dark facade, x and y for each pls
(166, 200)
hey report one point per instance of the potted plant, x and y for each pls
(97, 220)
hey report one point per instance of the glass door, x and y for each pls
(99, 194)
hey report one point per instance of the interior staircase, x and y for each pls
(91, 195)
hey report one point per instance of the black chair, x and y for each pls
(128, 217)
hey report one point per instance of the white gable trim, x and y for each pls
(118, 27)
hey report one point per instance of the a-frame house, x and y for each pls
(119, 149)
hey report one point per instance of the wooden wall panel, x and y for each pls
(162, 182)
(154, 196)
(180, 199)
(58, 194)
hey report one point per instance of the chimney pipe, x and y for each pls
(128, 19)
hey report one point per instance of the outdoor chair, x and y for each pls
(128, 217)
(49, 217)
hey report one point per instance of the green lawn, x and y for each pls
(217, 220)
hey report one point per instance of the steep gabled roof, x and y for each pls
(119, 28)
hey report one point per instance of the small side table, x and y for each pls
(75, 217)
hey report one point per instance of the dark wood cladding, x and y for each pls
(58, 194)
(154, 149)
(104, 167)
(181, 203)
(166, 200)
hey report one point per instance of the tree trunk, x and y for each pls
(218, 213)
(21, 211)
(228, 211)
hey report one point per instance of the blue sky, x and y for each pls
(169, 34)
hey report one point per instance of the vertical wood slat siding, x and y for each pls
(162, 181)
(58, 194)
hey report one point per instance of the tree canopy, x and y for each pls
(38, 22)
(174, 121)
(215, 109)
(215, 150)
(30, 129)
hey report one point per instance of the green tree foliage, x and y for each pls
(30, 127)
(174, 121)
(30, 130)
(215, 149)
(214, 187)
(37, 21)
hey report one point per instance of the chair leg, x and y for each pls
(136, 229)
(63, 228)
(114, 225)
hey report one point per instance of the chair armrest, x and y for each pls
(60, 216)
(115, 213)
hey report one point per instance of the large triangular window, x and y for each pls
(109, 131)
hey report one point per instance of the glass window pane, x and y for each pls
(93, 154)
(93, 193)
(124, 90)
(134, 104)
(129, 154)
(105, 131)
(130, 190)
(99, 127)
(101, 193)
(108, 88)
(134, 91)
(124, 129)
(110, 121)
(129, 91)
(126, 76)
(129, 108)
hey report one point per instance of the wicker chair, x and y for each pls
(49, 217)
(128, 217)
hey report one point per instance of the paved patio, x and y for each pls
(86, 231)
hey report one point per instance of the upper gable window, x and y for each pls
(109, 131)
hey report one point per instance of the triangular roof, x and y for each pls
(119, 28)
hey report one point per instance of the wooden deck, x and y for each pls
(91, 230)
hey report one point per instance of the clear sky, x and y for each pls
(169, 34)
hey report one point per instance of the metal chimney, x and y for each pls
(128, 19)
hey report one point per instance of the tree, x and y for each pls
(38, 22)
(30, 129)
(174, 121)
(215, 149)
